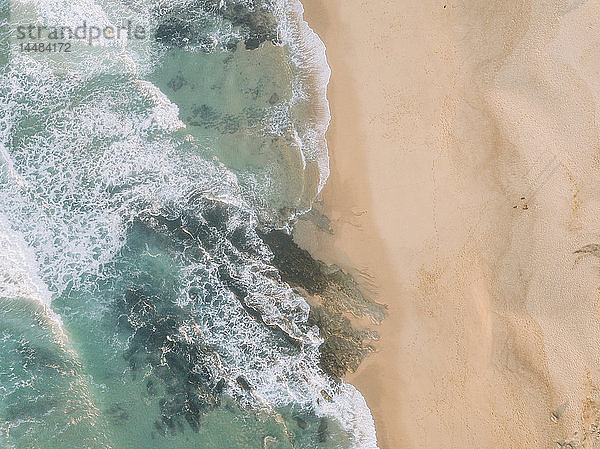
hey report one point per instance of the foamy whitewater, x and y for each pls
(138, 305)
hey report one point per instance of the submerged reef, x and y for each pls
(184, 371)
(332, 294)
(168, 336)
(252, 23)
(174, 365)
(257, 22)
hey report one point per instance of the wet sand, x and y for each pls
(464, 176)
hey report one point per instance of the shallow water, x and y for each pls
(138, 305)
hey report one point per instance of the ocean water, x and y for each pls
(138, 305)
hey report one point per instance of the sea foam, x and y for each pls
(80, 175)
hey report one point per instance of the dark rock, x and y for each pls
(326, 396)
(174, 31)
(344, 347)
(322, 432)
(204, 115)
(274, 99)
(301, 422)
(161, 427)
(253, 20)
(154, 322)
(117, 414)
(177, 82)
(243, 383)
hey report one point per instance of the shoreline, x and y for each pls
(310, 111)
(343, 201)
(462, 144)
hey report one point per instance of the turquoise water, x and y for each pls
(138, 305)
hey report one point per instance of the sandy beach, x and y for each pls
(464, 165)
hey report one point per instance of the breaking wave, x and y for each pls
(119, 219)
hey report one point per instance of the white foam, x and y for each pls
(70, 204)
(19, 277)
(166, 113)
(308, 52)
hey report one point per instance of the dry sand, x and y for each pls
(444, 115)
